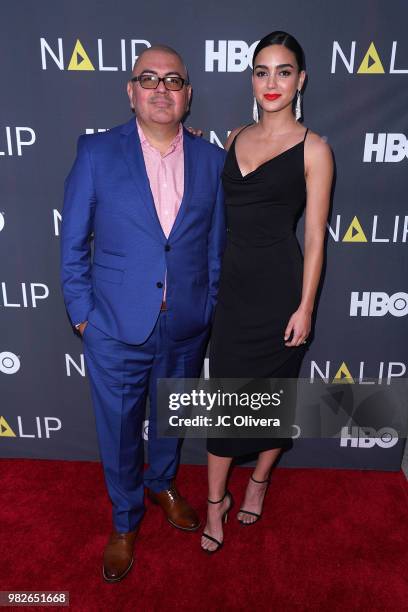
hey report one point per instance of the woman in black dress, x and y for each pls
(273, 169)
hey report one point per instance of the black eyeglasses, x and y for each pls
(151, 81)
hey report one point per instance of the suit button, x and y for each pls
(167, 247)
(159, 285)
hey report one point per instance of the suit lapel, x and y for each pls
(133, 154)
(190, 163)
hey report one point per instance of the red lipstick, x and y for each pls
(272, 96)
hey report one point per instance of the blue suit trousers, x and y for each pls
(122, 376)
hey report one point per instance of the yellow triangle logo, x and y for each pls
(355, 232)
(5, 429)
(343, 375)
(371, 63)
(80, 59)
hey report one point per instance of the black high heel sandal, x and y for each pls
(258, 516)
(224, 519)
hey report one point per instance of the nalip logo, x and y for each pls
(384, 372)
(29, 427)
(27, 294)
(121, 57)
(377, 229)
(370, 63)
(15, 138)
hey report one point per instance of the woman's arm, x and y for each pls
(319, 176)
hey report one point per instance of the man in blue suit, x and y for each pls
(149, 194)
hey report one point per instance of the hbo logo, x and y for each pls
(387, 148)
(9, 363)
(145, 429)
(367, 437)
(228, 55)
(378, 304)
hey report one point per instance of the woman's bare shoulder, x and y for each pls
(318, 155)
(316, 145)
(232, 135)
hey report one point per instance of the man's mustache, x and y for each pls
(160, 98)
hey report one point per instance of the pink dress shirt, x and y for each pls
(166, 177)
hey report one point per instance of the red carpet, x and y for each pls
(328, 540)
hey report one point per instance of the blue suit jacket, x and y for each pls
(118, 286)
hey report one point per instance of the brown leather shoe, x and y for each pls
(118, 555)
(178, 511)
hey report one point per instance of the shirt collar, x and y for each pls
(176, 143)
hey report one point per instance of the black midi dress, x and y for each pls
(261, 280)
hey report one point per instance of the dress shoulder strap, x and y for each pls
(307, 129)
(241, 130)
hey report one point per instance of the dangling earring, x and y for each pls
(255, 113)
(298, 107)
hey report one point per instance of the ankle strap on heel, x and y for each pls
(259, 481)
(220, 500)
